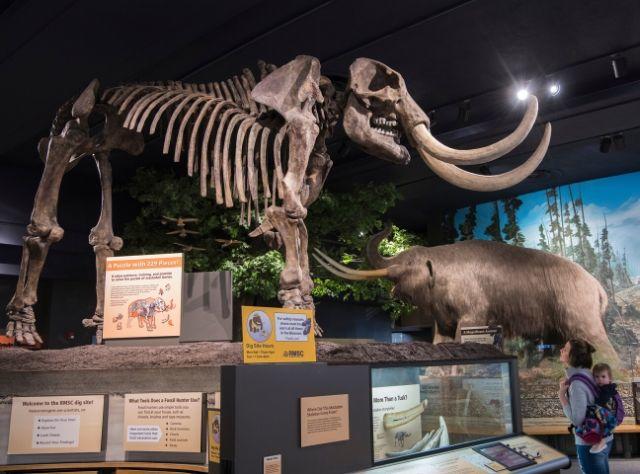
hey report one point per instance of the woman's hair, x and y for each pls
(580, 354)
(602, 367)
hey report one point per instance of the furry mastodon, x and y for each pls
(530, 293)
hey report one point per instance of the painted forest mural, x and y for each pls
(595, 224)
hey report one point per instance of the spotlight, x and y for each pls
(433, 118)
(464, 111)
(522, 94)
(619, 65)
(554, 88)
(618, 141)
(605, 144)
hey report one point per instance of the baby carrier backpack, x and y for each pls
(598, 418)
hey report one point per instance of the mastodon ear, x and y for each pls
(432, 274)
(290, 87)
(84, 104)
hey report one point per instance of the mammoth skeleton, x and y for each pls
(259, 144)
(530, 293)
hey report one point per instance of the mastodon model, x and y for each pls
(530, 293)
(261, 145)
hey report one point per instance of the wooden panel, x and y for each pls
(558, 426)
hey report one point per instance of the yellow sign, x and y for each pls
(277, 335)
(214, 436)
(45, 425)
(143, 296)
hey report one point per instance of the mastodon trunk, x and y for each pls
(372, 252)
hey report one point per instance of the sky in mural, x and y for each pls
(617, 198)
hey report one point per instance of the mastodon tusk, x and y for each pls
(423, 139)
(330, 269)
(476, 182)
(350, 271)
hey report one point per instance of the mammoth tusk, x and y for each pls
(423, 138)
(476, 182)
(346, 272)
(330, 269)
(399, 418)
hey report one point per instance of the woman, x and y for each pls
(575, 397)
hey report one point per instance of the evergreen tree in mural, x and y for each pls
(493, 229)
(568, 233)
(468, 226)
(605, 271)
(511, 229)
(625, 266)
(590, 258)
(622, 279)
(543, 242)
(449, 232)
(579, 251)
(554, 221)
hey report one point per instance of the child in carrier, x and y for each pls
(610, 400)
(605, 414)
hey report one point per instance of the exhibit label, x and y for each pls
(213, 422)
(324, 419)
(143, 296)
(272, 464)
(482, 335)
(63, 424)
(401, 435)
(169, 422)
(277, 335)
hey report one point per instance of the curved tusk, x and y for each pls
(345, 269)
(476, 182)
(330, 269)
(423, 138)
(349, 271)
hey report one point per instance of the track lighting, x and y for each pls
(605, 144)
(522, 94)
(464, 111)
(618, 141)
(554, 88)
(619, 66)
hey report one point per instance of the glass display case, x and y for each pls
(420, 409)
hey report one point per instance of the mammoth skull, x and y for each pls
(370, 117)
(378, 104)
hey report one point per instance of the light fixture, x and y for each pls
(619, 66)
(464, 111)
(522, 94)
(605, 144)
(432, 117)
(618, 141)
(554, 88)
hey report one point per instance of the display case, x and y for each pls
(421, 409)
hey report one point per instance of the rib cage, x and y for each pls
(217, 126)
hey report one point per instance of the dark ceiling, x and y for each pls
(448, 52)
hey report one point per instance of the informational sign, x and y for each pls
(143, 296)
(62, 424)
(397, 424)
(272, 464)
(213, 423)
(277, 335)
(324, 419)
(169, 422)
(482, 335)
